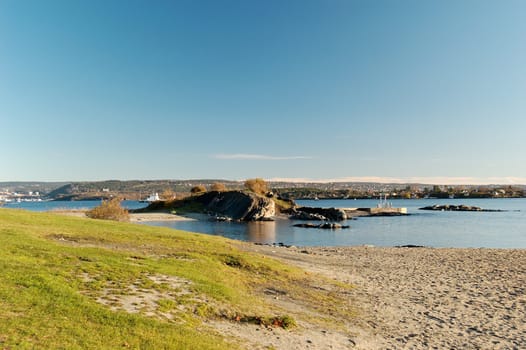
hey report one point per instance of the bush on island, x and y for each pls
(198, 189)
(218, 186)
(109, 210)
(256, 185)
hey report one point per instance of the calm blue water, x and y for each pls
(429, 228)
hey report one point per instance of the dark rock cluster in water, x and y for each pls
(449, 207)
(325, 225)
(320, 214)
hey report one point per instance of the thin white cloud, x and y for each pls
(243, 156)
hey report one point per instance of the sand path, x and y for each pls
(134, 217)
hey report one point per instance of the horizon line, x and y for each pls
(427, 180)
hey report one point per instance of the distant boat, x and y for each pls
(152, 198)
(383, 203)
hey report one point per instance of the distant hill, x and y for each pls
(132, 189)
(141, 189)
(33, 186)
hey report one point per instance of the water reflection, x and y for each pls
(261, 231)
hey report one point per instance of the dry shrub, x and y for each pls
(168, 195)
(257, 185)
(218, 186)
(109, 210)
(198, 189)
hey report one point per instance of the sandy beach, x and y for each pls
(405, 298)
(145, 217)
(420, 298)
(134, 217)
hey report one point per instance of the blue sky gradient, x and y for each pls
(395, 90)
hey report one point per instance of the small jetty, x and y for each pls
(383, 208)
(355, 212)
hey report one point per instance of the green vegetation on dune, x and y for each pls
(75, 283)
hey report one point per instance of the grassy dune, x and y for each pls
(76, 283)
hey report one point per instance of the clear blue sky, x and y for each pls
(327, 89)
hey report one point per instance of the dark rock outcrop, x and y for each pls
(237, 205)
(323, 214)
(301, 215)
(325, 225)
(449, 207)
(387, 213)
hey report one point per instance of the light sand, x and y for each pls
(144, 217)
(134, 217)
(420, 298)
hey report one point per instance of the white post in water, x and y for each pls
(383, 202)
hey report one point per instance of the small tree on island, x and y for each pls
(198, 189)
(257, 185)
(168, 195)
(109, 210)
(218, 186)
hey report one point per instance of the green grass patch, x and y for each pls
(282, 204)
(176, 206)
(73, 283)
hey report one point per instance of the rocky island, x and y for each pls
(245, 206)
(449, 207)
(222, 206)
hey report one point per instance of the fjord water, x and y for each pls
(506, 229)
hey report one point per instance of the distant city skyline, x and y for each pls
(417, 180)
(407, 91)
